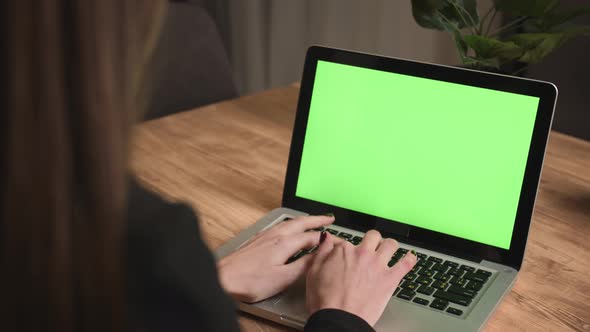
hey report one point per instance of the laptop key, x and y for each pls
(410, 276)
(425, 263)
(331, 231)
(451, 264)
(484, 272)
(402, 251)
(397, 289)
(439, 304)
(474, 285)
(469, 293)
(406, 294)
(344, 235)
(440, 284)
(421, 301)
(442, 276)
(456, 272)
(454, 311)
(392, 262)
(435, 259)
(439, 267)
(426, 290)
(426, 272)
(421, 255)
(454, 298)
(424, 280)
(409, 285)
(458, 281)
(356, 240)
(468, 268)
(475, 277)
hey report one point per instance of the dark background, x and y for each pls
(569, 69)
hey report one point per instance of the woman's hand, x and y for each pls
(355, 279)
(258, 271)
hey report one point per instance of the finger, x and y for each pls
(401, 268)
(323, 251)
(337, 240)
(301, 266)
(371, 240)
(386, 249)
(299, 241)
(302, 224)
(258, 235)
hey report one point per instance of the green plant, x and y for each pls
(546, 23)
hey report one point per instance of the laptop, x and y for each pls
(445, 160)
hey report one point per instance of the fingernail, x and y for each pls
(323, 235)
(329, 214)
(413, 252)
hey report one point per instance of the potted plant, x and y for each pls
(536, 28)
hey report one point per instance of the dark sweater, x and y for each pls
(173, 284)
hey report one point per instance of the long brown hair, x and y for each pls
(72, 78)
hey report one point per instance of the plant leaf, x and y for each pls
(486, 48)
(471, 7)
(462, 46)
(446, 15)
(463, 12)
(427, 7)
(538, 45)
(482, 64)
(425, 13)
(532, 8)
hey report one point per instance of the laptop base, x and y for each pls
(288, 308)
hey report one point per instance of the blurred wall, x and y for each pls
(267, 39)
(569, 69)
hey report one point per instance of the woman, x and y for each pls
(83, 247)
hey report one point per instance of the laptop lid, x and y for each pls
(442, 157)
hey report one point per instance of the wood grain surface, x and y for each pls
(228, 161)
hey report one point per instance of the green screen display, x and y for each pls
(441, 156)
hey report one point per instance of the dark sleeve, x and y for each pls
(333, 320)
(173, 282)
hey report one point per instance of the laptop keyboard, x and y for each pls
(436, 283)
(441, 284)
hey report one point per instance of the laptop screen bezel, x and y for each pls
(547, 94)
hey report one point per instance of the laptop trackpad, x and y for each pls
(291, 303)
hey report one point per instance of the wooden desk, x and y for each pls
(228, 161)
